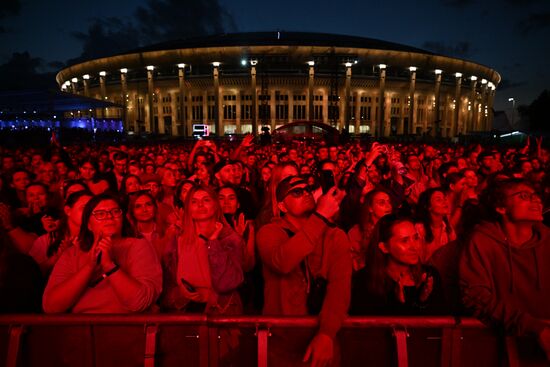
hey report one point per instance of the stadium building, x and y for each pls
(239, 83)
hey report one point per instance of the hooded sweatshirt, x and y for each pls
(504, 285)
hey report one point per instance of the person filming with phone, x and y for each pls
(307, 271)
(110, 271)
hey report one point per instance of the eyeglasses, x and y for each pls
(103, 214)
(527, 196)
(299, 192)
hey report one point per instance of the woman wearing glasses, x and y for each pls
(110, 271)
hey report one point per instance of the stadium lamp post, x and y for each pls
(511, 99)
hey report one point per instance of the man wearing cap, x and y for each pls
(296, 251)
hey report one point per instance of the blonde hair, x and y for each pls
(189, 235)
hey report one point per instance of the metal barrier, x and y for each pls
(171, 340)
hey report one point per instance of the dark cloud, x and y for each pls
(460, 49)
(458, 3)
(9, 7)
(534, 23)
(508, 84)
(106, 37)
(156, 21)
(56, 65)
(165, 20)
(522, 2)
(23, 71)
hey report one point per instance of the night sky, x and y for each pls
(511, 36)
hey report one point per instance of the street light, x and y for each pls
(511, 99)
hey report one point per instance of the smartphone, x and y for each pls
(188, 285)
(327, 180)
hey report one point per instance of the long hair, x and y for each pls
(94, 164)
(132, 206)
(366, 220)
(178, 203)
(57, 236)
(423, 213)
(376, 259)
(190, 235)
(123, 190)
(86, 236)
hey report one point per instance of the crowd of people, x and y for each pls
(231, 228)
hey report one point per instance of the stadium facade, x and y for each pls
(239, 83)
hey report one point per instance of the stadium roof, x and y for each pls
(280, 38)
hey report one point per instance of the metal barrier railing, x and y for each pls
(58, 334)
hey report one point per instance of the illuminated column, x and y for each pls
(412, 105)
(472, 126)
(85, 81)
(102, 90)
(309, 110)
(490, 101)
(449, 113)
(357, 116)
(290, 105)
(174, 114)
(217, 120)
(160, 113)
(74, 85)
(254, 113)
(483, 120)
(347, 94)
(381, 102)
(238, 108)
(325, 106)
(437, 114)
(149, 126)
(456, 128)
(271, 102)
(181, 105)
(124, 92)
(401, 126)
(205, 107)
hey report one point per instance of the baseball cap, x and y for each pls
(286, 185)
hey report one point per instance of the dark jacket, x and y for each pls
(364, 302)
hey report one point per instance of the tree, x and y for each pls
(538, 113)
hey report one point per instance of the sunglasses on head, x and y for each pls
(299, 192)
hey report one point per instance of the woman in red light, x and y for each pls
(203, 272)
(377, 204)
(110, 271)
(394, 282)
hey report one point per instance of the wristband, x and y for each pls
(104, 276)
(110, 272)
